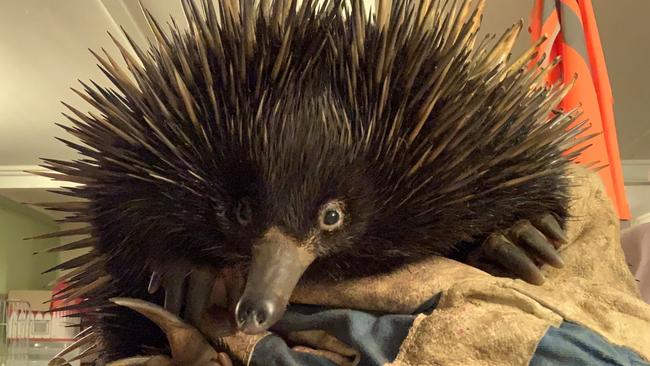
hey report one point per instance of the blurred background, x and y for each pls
(44, 50)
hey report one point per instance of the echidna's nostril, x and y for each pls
(263, 313)
(253, 316)
(243, 315)
(243, 312)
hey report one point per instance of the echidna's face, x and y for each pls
(297, 205)
(293, 234)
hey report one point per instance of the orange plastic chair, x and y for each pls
(570, 26)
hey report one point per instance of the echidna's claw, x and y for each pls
(154, 282)
(173, 282)
(524, 233)
(187, 344)
(522, 247)
(499, 248)
(549, 225)
(200, 284)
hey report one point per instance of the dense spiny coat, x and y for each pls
(427, 135)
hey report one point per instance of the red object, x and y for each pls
(570, 26)
(55, 304)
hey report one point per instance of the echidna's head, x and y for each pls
(285, 189)
(300, 196)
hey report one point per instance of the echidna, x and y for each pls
(308, 142)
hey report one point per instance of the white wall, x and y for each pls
(43, 48)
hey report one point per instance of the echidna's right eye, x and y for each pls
(331, 216)
(244, 212)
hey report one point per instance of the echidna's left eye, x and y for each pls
(331, 216)
(243, 212)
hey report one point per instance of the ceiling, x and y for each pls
(44, 47)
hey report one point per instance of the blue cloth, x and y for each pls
(572, 344)
(378, 338)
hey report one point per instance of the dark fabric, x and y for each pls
(273, 351)
(376, 336)
(572, 344)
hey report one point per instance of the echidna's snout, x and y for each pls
(277, 265)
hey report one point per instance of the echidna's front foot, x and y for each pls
(223, 360)
(524, 246)
(189, 347)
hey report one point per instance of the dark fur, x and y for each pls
(292, 135)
